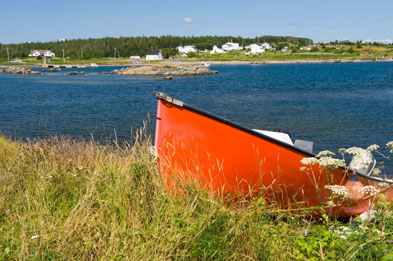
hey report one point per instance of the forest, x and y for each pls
(127, 46)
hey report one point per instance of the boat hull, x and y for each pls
(219, 155)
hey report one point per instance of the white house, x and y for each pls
(257, 48)
(135, 59)
(153, 55)
(187, 49)
(45, 53)
(216, 50)
(305, 48)
(285, 49)
(231, 46)
(267, 46)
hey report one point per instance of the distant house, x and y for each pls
(187, 49)
(216, 50)
(257, 48)
(135, 59)
(305, 48)
(285, 49)
(42, 53)
(229, 46)
(16, 60)
(267, 46)
(153, 55)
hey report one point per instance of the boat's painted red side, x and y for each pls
(198, 146)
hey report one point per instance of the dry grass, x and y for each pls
(65, 199)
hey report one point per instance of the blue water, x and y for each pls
(334, 105)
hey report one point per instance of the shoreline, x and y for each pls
(173, 62)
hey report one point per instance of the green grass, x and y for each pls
(351, 52)
(66, 199)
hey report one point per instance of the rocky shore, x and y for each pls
(166, 70)
(18, 70)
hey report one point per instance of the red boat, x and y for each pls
(204, 149)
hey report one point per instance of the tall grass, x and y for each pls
(66, 199)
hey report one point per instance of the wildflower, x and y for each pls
(370, 190)
(341, 191)
(376, 171)
(390, 145)
(325, 153)
(309, 161)
(383, 185)
(79, 167)
(372, 147)
(36, 236)
(331, 163)
(302, 168)
(354, 150)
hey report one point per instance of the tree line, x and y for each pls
(127, 46)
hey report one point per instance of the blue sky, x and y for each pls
(23, 20)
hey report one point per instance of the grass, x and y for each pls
(347, 52)
(67, 199)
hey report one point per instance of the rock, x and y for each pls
(165, 70)
(75, 73)
(168, 78)
(18, 70)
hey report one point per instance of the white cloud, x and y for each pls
(188, 20)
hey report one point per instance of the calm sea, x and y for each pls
(333, 105)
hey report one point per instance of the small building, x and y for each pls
(16, 60)
(42, 53)
(305, 48)
(229, 46)
(267, 46)
(257, 48)
(153, 55)
(216, 50)
(285, 49)
(187, 49)
(135, 59)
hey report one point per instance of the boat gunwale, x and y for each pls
(178, 103)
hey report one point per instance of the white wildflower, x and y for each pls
(309, 161)
(354, 150)
(329, 162)
(361, 160)
(302, 168)
(79, 167)
(325, 153)
(370, 190)
(338, 190)
(376, 171)
(373, 147)
(36, 236)
(390, 146)
(383, 185)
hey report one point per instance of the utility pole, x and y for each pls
(63, 57)
(115, 53)
(8, 55)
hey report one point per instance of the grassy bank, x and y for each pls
(67, 199)
(362, 52)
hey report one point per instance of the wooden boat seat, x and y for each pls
(284, 137)
(305, 145)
